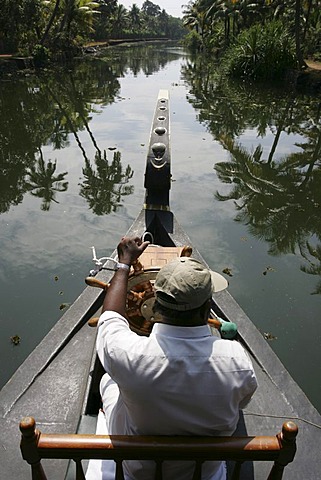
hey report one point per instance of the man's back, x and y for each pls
(179, 380)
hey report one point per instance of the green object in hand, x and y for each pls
(228, 329)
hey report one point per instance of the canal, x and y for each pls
(246, 187)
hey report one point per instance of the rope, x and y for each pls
(286, 417)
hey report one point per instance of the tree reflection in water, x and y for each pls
(42, 183)
(105, 185)
(278, 199)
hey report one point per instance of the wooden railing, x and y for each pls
(35, 446)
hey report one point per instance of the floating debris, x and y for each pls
(269, 336)
(268, 269)
(111, 148)
(15, 339)
(64, 305)
(61, 292)
(228, 272)
(56, 278)
(244, 239)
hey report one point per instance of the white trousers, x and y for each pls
(112, 406)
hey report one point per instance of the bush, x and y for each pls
(192, 41)
(261, 53)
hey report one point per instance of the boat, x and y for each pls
(58, 383)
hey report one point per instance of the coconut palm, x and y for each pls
(191, 16)
(119, 20)
(79, 14)
(51, 20)
(135, 17)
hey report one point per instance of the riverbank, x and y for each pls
(11, 64)
(308, 80)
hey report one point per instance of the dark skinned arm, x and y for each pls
(129, 249)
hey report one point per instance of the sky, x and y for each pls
(172, 7)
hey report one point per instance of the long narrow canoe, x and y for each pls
(58, 383)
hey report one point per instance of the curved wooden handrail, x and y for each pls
(280, 448)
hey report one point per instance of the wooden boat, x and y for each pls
(58, 383)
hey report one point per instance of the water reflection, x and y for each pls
(140, 59)
(277, 196)
(105, 185)
(50, 109)
(56, 133)
(59, 179)
(278, 201)
(42, 183)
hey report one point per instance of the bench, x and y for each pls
(35, 446)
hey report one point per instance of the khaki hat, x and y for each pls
(188, 282)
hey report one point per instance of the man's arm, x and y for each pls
(129, 249)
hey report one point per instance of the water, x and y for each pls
(59, 196)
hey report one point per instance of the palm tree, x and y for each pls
(79, 13)
(299, 54)
(163, 21)
(194, 18)
(50, 22)
(134, 15)
(191, 16)
(119, 20)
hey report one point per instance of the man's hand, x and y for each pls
(130, 248)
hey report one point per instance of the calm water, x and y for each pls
(246, 188)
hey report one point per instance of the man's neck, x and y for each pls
(193, 322)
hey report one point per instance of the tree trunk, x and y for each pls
(299, 55)
(51, 20)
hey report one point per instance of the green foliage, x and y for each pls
(193, 41)
(18, 25)
(312, 40)
(41, 56)
(261, 53)
(65, 25)
(301, 19)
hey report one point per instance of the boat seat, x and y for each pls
(35, 446)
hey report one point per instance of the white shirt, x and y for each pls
(177, 381)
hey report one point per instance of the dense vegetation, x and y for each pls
(254, 39)
(50, 27)
(258, 38)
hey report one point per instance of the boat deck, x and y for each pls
(51, 386)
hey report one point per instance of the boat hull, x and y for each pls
(58, 383)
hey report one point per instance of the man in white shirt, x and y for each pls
(181, 380)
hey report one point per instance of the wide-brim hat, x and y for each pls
(185, 284)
